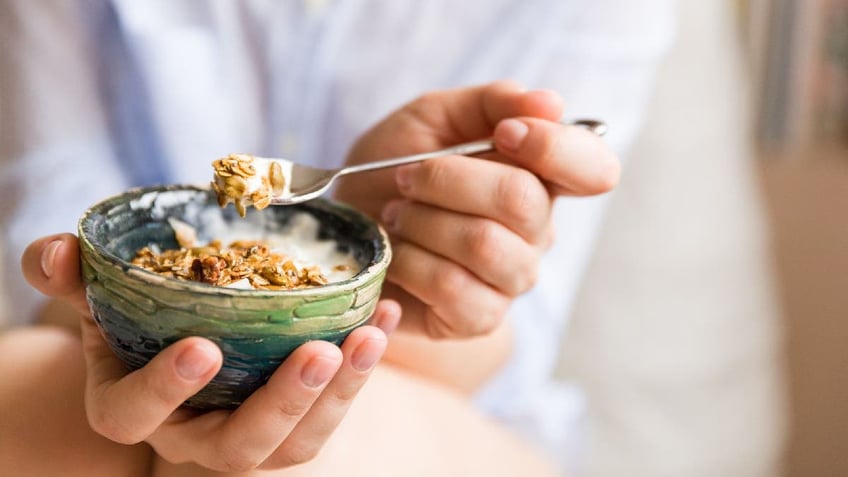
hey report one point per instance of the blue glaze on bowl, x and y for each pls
(140, 313)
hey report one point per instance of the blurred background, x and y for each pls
(712, 331)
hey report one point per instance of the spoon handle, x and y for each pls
(464, 149)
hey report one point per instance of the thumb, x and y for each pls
(127, 408)
(52, 266)
(571, 159)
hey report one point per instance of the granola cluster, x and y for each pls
(237, 181)
(250, 260)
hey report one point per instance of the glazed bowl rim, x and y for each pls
(369, 272)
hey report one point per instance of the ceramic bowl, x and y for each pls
(140, 312)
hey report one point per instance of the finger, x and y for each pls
(386, 316)
(460, 305)
(474, 112)
(414, 309)
(177, 439)
(245, 439)
(362, 349)
(573, 160)
(127, 408)
(509, 195)
(52, 266)
(492, 252)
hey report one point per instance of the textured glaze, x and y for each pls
(140, 312)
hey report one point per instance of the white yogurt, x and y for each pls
(257, 181)
(298, 240)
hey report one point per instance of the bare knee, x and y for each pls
(20, 337)
(43, 367)
(28, 349)
(44, 382)
(406, 417)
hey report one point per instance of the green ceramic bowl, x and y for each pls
(140, 312)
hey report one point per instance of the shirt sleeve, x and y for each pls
(603, 59)
(56, 155)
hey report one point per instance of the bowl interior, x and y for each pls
(118, 227)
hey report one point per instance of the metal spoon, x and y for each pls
(303, 183)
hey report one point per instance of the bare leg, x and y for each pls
(411, 427)
(43, 428)
(398, 425)
(403, 425)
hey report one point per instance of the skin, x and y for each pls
(464, 249)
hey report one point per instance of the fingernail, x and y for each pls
(318, 371)
(403, 176)
(510, 133)
(48, 256)
(367, 354)
(196, 361)
(390, 214)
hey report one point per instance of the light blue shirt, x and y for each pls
(101, 95)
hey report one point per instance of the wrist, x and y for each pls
(462, 364)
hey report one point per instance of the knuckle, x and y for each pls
(297, 453)
(486, 244)
(290, 409)
(107, 424)
(526, 272)
(157, 393)
(518, 278)
(526, 279)
(233, 459)
(522, 198)
(434, 175)
(479, 323)
(483, 324)
(343, 395)
(510, 263)
(492, 315)
(451, 283)
(427, 106)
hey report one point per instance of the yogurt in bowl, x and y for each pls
(140, 312)
(294, 257)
